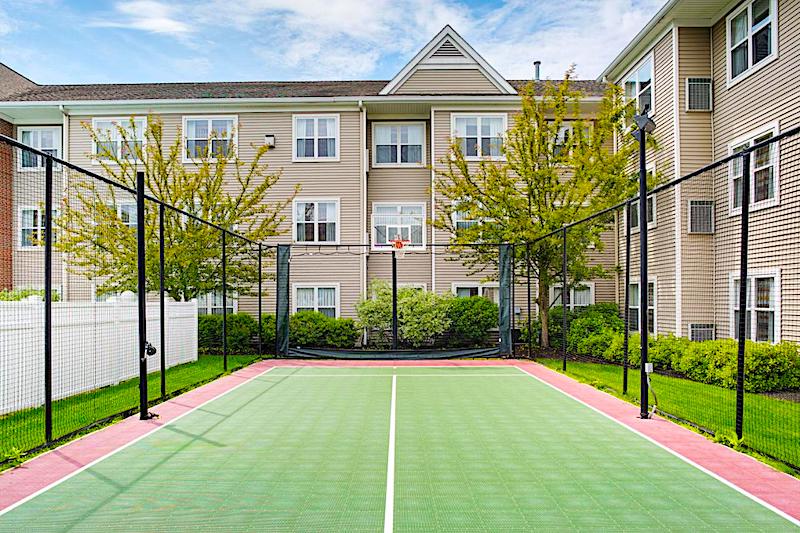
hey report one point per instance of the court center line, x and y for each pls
(703, 469)
(388, 515)
(131, 443)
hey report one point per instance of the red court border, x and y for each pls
(780, 490)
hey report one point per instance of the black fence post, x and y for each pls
(48, 300)
(528, 275)
(625, 362)
(260, 312)
(643, 283)
(514, 336)
(394, 299)
(742, 325)
(161, 302)
(142, 295)
(564, 296)
(224, 302)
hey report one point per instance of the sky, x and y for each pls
(123, 41)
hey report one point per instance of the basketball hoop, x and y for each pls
(399, 246)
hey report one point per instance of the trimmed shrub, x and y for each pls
(16, 295)
(241, 329)
(341, 333)
(422, 316)
(471, 319)
(268, 332)
(308, 328)
(666, 350)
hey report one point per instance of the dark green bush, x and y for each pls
(268, 332)
(341, 333)
(308, 328)
(241, 329)
(471, 319)
(313, 329)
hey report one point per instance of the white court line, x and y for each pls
(131, 443)
(673, 452)
(388, 515)
(404, 375)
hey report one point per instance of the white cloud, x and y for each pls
(146, 15)
(302, 39)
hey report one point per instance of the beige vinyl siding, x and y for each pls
(697, 251)
(400, 185)
(447, 81)
(661, 239)
(336, 179)
(772, 93)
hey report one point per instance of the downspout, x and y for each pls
(433, 205)
(676, 146)
(364, 164)
(65, 155)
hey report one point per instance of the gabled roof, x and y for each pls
(448, 50)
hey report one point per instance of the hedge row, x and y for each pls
(306, 328)
(768, 367)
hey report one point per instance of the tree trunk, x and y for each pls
(544, 317)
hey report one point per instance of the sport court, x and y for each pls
(366, 448)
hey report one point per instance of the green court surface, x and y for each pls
(310, 449)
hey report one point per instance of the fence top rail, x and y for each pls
(13, 142)
(665, 186)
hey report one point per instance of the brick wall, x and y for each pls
(6, 208)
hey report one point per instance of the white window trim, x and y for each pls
(208, 307)
(57, 135)
(454, 286)
(686, 94)
(398, 164)
(774, 273)
(316, 287)
(18, 246)
(773, 127)
(234, 138)
(304, 199)
(689, 217)
(504, 116)
(751, 69)
(315, 158)
(120, 120)
(654, 281)
(572, 306)
(621, 82)
(689, 329)
(408, 248)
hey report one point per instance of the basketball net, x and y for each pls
(399, 247)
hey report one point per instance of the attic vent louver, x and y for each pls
(447, 49)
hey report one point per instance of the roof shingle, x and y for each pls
(232, 90)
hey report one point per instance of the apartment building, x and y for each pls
(719, 76)
(364, 152)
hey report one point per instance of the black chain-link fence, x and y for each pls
(112, 300)
(732, 220)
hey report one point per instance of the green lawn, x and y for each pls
(771, 426)
(24, 430)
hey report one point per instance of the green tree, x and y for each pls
(97, 225)
(558, 167)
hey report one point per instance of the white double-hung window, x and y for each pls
(392, 221)
(579, 296)
(762, 318)
(398, 144)
(752, 37)
(635, 309)
(119, 138)
(208, 137)
(479, 135)
(321, 298)
(47, 139)
(639, 86)
(763, 170)
(32, 226)
(316, 220)
(316, 137)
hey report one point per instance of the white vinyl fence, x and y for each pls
(95, 344)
